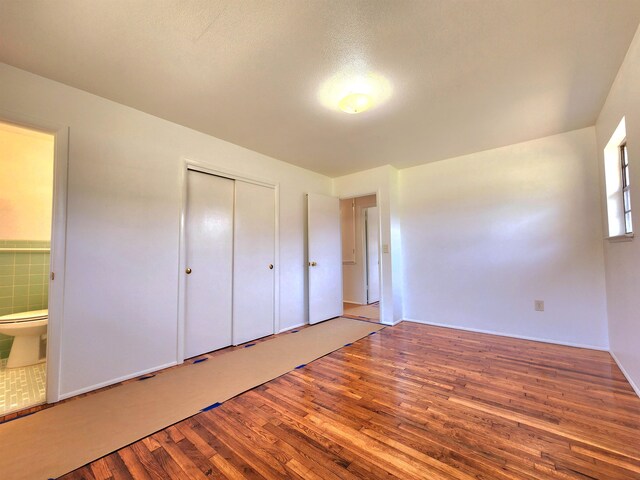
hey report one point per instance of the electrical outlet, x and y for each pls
(538, 305)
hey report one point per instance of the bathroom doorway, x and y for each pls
(360, 229)
(26, 209)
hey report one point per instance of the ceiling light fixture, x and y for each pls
(355, 103)
(352, 93)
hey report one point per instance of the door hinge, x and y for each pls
(53, 276)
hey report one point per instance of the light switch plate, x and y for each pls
(385, 248)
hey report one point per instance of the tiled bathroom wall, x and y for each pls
(24, 280)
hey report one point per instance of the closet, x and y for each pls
(229, 234)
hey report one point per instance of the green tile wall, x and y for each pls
(24, 280)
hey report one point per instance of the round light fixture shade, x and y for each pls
(355, 103)
(354, 92)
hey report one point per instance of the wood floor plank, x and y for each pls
(134, 465)
(411, 402)
(100, 470)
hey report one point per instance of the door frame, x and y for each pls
(211, 169)
(380, 275)
(58, 250)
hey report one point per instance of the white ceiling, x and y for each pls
(466, 75)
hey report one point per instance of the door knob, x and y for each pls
(188, 270)
(312, 264)
(271, 266)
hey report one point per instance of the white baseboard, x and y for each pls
(115, 380)
(291, 327)
(511, 335)
(350, 302)
(391, 324)
(627, 376)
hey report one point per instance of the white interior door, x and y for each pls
(253, 269)
(325, 257)
(373, 254)
(209, 256)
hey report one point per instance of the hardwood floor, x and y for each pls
(412, 401)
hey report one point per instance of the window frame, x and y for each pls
(616, 153)
(626, 187)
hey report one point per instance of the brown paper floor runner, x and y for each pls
(57, 440)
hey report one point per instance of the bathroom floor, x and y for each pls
(21, 387)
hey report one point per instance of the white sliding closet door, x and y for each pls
(254, 257)
(209, 256)
(325, 257)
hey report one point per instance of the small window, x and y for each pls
(618, 185)
(626, 193)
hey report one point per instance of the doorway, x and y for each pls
(360, 230)
(26, 209)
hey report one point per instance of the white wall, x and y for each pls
(383, 182)
(353, 275)
(348, 229)
(26, 184)
(123, 218)
(484, 235)
(622, 260)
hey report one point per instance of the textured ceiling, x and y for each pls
(465, 75)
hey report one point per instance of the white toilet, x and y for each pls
(26, 328)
